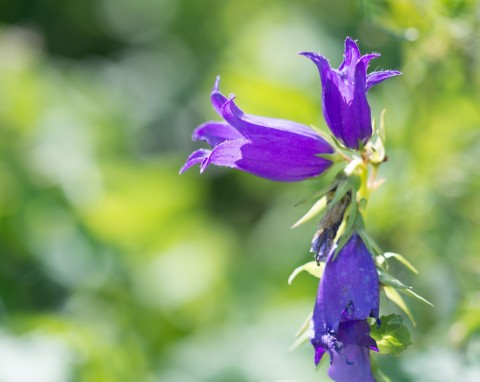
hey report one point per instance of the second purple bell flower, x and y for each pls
(344, 94)
(348, 295)
(270, 148)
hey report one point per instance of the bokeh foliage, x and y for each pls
(114, 268)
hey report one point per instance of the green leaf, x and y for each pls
(415, 295)
(393, 295)
(392, 336)
(311, 267)
(317, 208)
(402, 260)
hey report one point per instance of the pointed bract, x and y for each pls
(273, 149)
(344, 94)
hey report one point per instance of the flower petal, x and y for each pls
(348, 290)
(269, 160)
(273, 129)
(376, 77)
(369, 57)
(321, 62)
(350, 56)
(361, 129)
(215, 132)
(217, 98)
(319, 352)
(196, 157)
(356, 332)
(352, 365)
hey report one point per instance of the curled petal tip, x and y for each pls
(318, 59)
(216, 85)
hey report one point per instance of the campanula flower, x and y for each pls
(348, 294)
(273, 149)
(344, 94)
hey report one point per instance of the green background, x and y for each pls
(115, 268)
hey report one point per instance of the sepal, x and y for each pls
(393, 295)
(316, 209)
(311, 267)
(303, 334)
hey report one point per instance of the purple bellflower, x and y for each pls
(344, 94)
(348, 294)
(273, 149)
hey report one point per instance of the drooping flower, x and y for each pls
(273, 149)
(348, 294)
(344, 93)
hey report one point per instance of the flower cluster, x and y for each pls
(346, 311)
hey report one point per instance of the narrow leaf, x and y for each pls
(311, 267)
(389, 280)
(317, 194)
(299, 341)
(303, 334)
(317, 208)
(305, 326)
(395, 297)
(416, 295)
(340, 192)
(402, 260)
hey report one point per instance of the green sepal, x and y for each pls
(392, 336)
(389, 280)
(350, 226)
(318, 194)
(411, 293)
(342, 190)
(377, 373)
(303, 334)
(311, 267)
(393, 295)
(341, 243)
(334, 158)
(371, 245)
(316, 209)
(402, 260)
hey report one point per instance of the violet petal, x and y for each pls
(352, 365)
(196, 157)
(377, 77)
(215, 132)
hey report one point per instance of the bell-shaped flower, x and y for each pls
(273, 149)
(348, 294)
(344, 94)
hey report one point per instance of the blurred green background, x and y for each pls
(115, 268)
